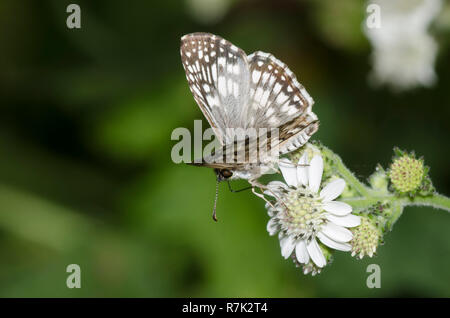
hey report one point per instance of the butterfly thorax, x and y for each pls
(244, 159)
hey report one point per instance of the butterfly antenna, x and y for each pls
(215, 201)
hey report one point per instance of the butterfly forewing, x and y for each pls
(218, 76)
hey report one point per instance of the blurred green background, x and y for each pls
(86, 175)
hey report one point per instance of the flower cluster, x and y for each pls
(303, 216)
(312, 224)
(366, 238)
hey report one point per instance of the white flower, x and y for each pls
(208, 11)
(404, 52)
(302, 214)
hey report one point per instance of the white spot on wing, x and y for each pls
(214, 74)
(255, 76)
(292, 110)
(265, 97)
(258, 93)
(235, 89)
(212, 100)
(277, 88)
(230, 85)
(273, 120)
(221, 61)
(222, 86)
(236, 69)
(282, 97)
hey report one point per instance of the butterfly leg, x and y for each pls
(256, 184)
(236, 191)
(262, 197)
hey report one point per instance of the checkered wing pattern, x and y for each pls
(234, 90)
(278, 100)
(218, 76)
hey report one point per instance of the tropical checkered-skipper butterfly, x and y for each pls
(234, 90)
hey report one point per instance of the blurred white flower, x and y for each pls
(404, 53)
(208, 11)
(301, 213)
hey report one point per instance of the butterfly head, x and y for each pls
(223, 174)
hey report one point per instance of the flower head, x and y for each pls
(406, 173)
(366, 238)
(409, 175)
(302, 214)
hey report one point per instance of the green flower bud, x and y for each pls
(406, 174)
(310, 149)
(409, 176)
(379, 180)
(366, 238)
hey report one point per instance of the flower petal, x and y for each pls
(348, 220)
(302, 170)
(336, 232)
(276, 185)
(270, 211)
(274, 188)
(315, 171)
(316, 253)
(272, 226)
(289, 171)
(287, 246)
(332, 190)
(333, 244)
(337, 208)
(301, 252)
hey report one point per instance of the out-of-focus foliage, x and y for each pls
(86, 175)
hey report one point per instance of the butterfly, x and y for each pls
(257, 91)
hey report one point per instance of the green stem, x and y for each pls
(369, 197)
(397, 211)
(362, 203)
(437, 201)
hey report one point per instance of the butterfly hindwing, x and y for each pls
(278, 100)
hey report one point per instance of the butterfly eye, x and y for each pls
(226, 173)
